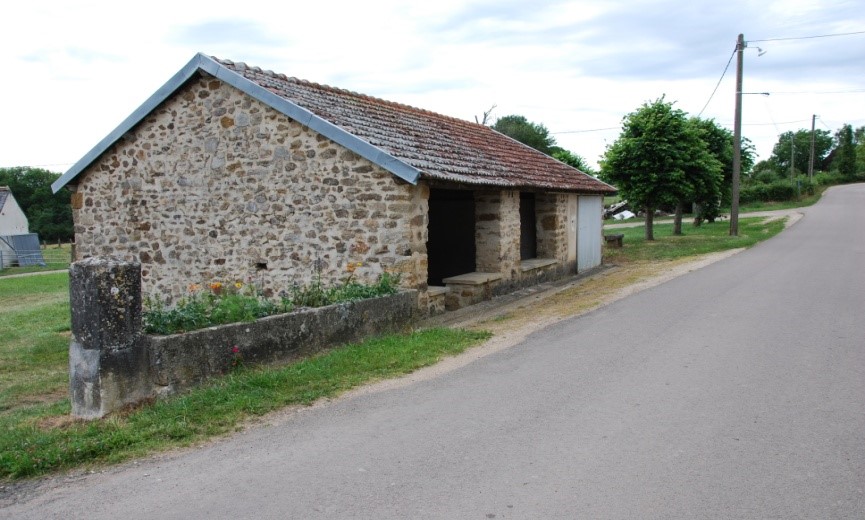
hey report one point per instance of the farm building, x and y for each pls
(17, 245)
(230, 172)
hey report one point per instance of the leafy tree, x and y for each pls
(571, 159)
(859, 139)
(659, 158)
(845, 153)
(801, 143)
(48, 214)
(531, 134)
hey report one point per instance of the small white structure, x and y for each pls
(13, 222)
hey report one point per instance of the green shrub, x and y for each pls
(776, 191)
(235, 303)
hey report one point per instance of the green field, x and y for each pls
(708, 238)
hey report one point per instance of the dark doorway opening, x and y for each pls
(528, 227)
(451, 242)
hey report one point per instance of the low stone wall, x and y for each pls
(180, 361)
(112, 364)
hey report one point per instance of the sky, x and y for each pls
(73, 70)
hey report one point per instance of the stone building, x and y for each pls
(230, 172)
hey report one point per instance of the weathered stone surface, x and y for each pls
(229, 186)
(183, 360)
(106, 370)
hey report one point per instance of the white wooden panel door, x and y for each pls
(589, 232)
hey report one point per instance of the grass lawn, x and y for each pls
(807, 200)
(38, 436)
(708, 238)
(34, 339)
(56, 258)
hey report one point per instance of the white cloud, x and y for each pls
(73, 71)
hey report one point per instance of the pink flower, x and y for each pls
(235, 349)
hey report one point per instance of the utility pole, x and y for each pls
(811, 156)
(792, 155)
(737, 140)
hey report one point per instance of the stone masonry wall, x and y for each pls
(551, 210)
(216, 186)
(497, 232)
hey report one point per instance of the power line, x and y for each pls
(819, 91)
(775, 123)
(589, 130)
(807, 37)
(719, 82)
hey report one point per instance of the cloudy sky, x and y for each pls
(73, 70)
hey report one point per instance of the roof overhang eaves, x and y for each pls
(493, 182)
(202, 62)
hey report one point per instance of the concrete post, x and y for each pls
(108, 367)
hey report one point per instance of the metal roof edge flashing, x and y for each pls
(176, 81)
(202, 62)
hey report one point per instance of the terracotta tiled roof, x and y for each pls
(441, 147)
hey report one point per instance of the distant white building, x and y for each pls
(13, 222)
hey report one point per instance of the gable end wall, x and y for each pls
(214, 185)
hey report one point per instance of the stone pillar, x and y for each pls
(497, 232)
(107, 365)
(551, 211)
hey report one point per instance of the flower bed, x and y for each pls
(220, 303)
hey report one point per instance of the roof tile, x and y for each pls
(441, 147)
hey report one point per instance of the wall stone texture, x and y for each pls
(497, 232)
(551, 213)
(216, 186)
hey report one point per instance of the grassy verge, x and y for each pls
(34, 338)
(40, 439)
(708, 238)
(807, 200)
(56, 258)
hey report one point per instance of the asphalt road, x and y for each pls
(735, 391)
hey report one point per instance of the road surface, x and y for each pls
(735, 391)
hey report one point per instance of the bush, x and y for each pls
(825, 179)
(777, 191)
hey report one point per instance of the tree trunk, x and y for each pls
(650, 222)
(677, 220)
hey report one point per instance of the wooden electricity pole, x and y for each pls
(737, 140)
(811, 155)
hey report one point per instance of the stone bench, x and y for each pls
(614, 240)
(469, 289)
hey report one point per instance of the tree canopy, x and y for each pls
(48, 214)
(800, 140)
(531, 134)
(659, 159)
(572, 159)
(845, 153)
(538, 137)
